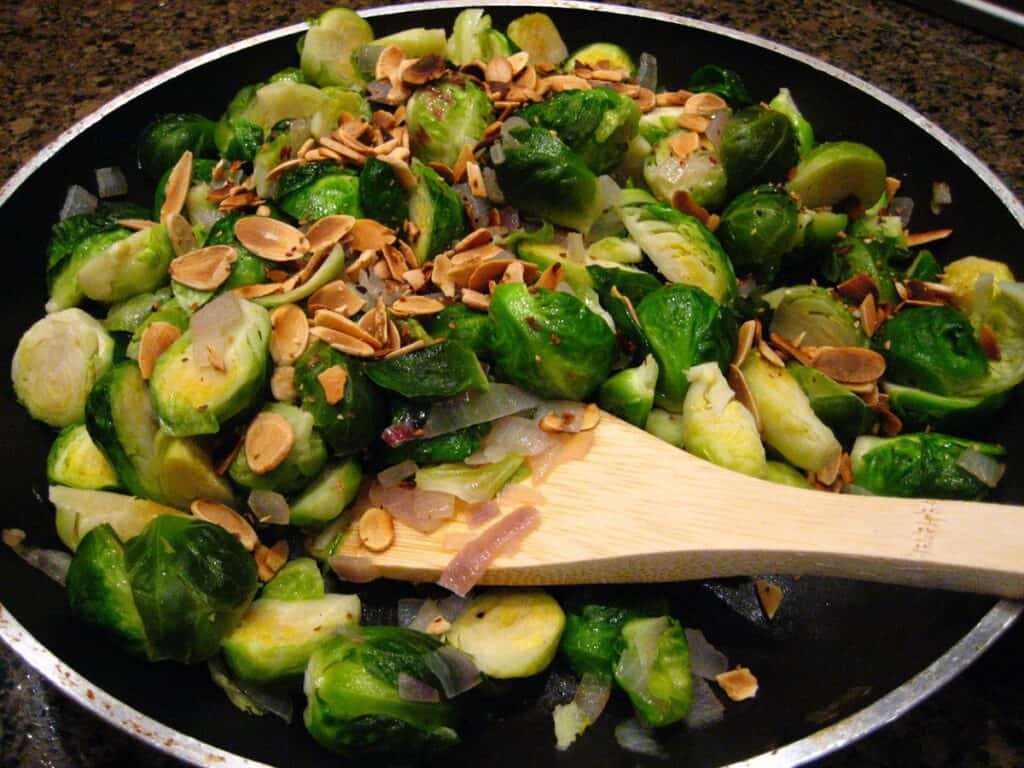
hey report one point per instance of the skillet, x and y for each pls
(835, 648)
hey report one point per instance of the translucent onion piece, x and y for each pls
(466, 568)
(408, 608)
(706, 708)
(423, 510)
(396, 473)
(454, 669)
(110, 182)
(453, 606)
(984, 468)
(592, 696)
(942, 196)
(512, 434)
(482, 513)
(497, 153)
(212, 325)
(984, 289)
(494, 193)
(248, 698)
(78, 200)
(746, 287)
(570, 448)
(577, 250)
(52, 562)
(413, 689)
(270, 507)
(717, 127)
(477, 408)
(610, 192)
(706, 661)
(428, 613)
(647, 72)
(512, 124)
(902, 207)
(633, 737)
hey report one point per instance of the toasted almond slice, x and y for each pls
(402, 351)
(365, 260)
(325, 318)
(388, 63)
(738, 382)
(858, 286)
(475, 179)
(591, 417)
(869, 319)
(684, 144)
(394, 259)
(922, 290)
(518, 61)
(289, 334)
(270, 560)
(849, 365)
(827, 475)
(476, 300)
(892, 186)
(558, 83)
(475, 239)
(770, 354)
(551, 277)
(342, 342)
(416, 305)
(465, 155)
(416, 278)
(205, 269)
(271, 239)
(645, 99)
(607, 75)
(376, 529)
(697, 123)
(177, 186)
(672, 99)
(258, 290)
(375, 323)
(268, 441)
(804, 355)
(443, 171)
(337, 296)
(704, 104)
(215, 357)
(280, 168)
(921, 238)
(394, 341)
(441, 275)
(498, 70)
(739, 684)
(989, 342)
(422, 70)
(136, 225)
(745, 341)
(338, 151)
(487, 271)
(770, 595)
(516, 272)
(846, 469)
(683, 202)
(332, 381)
(282, 384)
(226, 518)
(328, 231)
(157, 337)
(369, 235)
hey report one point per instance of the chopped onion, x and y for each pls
(52, 562)
(378, 90)
(396, 473)
(78, 200)
(715, 130)
(453, 606)
(984, 290)
(110, 182)
(497, 153)
(520, 494)
(706, 661)
(270, 507)
(454, 669)
(569, 448)
(425, 616)
(413, 689)
(358, 570)
(984, 468)
(477, 408)
(375, 290)
(902, 207)
(423, 510)
(510, 219)
(610, 192)
(212, 325)
(705, 708)
(942, 196)
(512, 124)
(512, 434)
(647, 72)
(572, 719)
(477, 208)
(466, 568)
(482, 513)
(633, 737)
(608, 224)
(494, 193)
(408, 608)
(592, 696)
(577, 250)
(249, 698)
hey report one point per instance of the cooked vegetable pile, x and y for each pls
(393, 286)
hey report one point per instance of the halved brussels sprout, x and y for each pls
(62, 277)
(436, 211)
(711, 78)
(537, 34)
(654, 670)
(80, 510)
(444, 117)
(127, 267)
(304, 460)
(74, 460)
(381, 195)
(439, 370)
(781, 473)
(328, 49)
(918, 409)
(836, 170)
(814, 315)
(473, 39)
(170, 312)
(601, 56)
(56, 364)
(416, 42)
(962, 277)
(545, 254)
(758, 227)
(701, 174)
(592, 641)
(326, 497)
(666, 426)
(128, 316)
(314, 190)
(629, 394)
(165, 139)
(236, 136)
(619, 250)
(464, 325)
(758, 147)
(842, 411)
(298, 579)
(784, 103)
(470, 483)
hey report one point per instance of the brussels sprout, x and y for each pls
(172, 592)
(685, 327)
(726, 83)
(601, 56)
(56, 364)
(758, 147)
(192, 396)
(962, 277)
(275, 638)
(597, 124)
(351, 424)
(629, 394)
(876, 224)
(631, 282)
(852, 256)
(682, 249)
(444, 117)
(932, 348)
(80, 510)
(436, 211)
(783, 474)
(442, 369)
(290, 74)
(327, 496)
(814, 312)
(304, 460)
(470, 483)
(918, 409)
(1004, 315)
(473, 39)
(236, 136)
(541, 175)
(784, 103)
(659, 123)
(416, 42)
(618, 250)
(666, 426)
(354, 707)
(460, 323)
(62, 278)
(788, 423)
(199, 210)
(717, 427)
(327, 53)
(592, 641)
(128, 315)
(701, 174)
(545, 254)
(509, 634)
(165, 140)
(842, 411)
(381, 195)
(919, 464)
(818, 231)
(297, 580)
(311, 191)
(75, 460)
(537, 34)
(757, 228)
(834, 171)
(67, 234)
(550, 343)
(926, 267)
(129, 266)
(452, 447)
(654, 670)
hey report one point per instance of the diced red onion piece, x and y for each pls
(633, 737)
(510, 219)
(984, 468)
(396, 473)
(423, 510)
(110, 182)
(482, 513)
(358, 570)
(212, 325)
(705, 709)
(270, 507)
(706, 661)
(408, 608)
(466, 568)
(454, 669)
(78, 200)
(413, 689)
(477, 408)
(569, 448)
(512, 434)
(477, 208)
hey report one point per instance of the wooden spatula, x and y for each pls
(639, 510)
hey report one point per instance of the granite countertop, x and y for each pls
(63, 60)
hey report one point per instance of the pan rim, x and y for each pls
(819, 744)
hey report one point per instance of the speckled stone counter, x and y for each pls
(61, 60)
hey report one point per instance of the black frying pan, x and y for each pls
(836, 646)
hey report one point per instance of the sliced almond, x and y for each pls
(745, 341)
(332, 381)
(770, 595)
(394, 259)
(258, 290)
(498, 70)
(181, 234)
(673, 99)
(157, 337)
(441, 275)
(369, 235)
(416, 278)
(268, 441)
(486, 272)
(271, 239)
(226, 518)
(328, 231)
(280, 168)
(388, 63)
(551, 277)
(922, 238)
(476, 300)
(704, 104)
(739, 684)
(289, 334)
(557, 83)
(376, 529)
(516, 272)
(869, 318)
(282, 384)
(683, 202)
(804, 355)
(375, 323)
(136, 225)
(738, 382)
(684, 144)
(923, 290)
(827, 475)
(416, 305)
(518, 61)
(475, 179)
(555, 422)
(849, 365)
(205, 269)
(465, 156)
(697, 123)
(892, 186)
(474, 239)
(177, 186)
(325, 318)
(989, 342)
(402, 351)
(337, 296)
(270, 560)
(858, 287)
(769, 354)
(342, 342)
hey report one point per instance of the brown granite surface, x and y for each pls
(63, 59)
